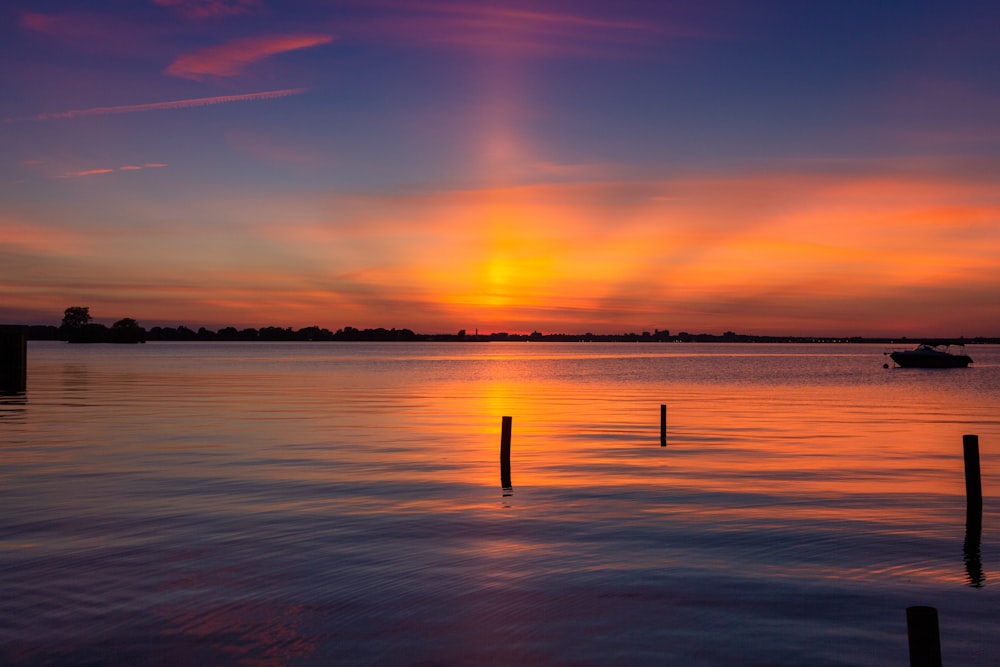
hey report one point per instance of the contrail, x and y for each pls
(174, 104)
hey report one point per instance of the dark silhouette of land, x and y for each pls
(13, 359)
(77, 327)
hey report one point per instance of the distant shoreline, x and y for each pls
(350, 334)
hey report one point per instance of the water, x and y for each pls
(287, 504)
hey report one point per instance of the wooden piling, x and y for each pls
(505, 428)
(923, 635)
(663, 425)
(973, 481)
(13, 358)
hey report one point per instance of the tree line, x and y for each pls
(78, 327)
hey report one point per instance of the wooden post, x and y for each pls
(923, 635)
(13, 358)
(663, 425)
(973, 481)
(505, 427)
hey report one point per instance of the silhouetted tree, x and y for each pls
(92, 333)
(313, 333)
(126, 330)
(347, 333)
(162, 333)
(76, 317)
(78, 328)
(275, 334)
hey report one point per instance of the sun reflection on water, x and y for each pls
(325, 502)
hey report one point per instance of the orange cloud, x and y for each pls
(871, 250)
(40, 239)
(232, 58)
(771, 251)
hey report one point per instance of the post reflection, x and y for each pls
(292, 504)
(13, 406)
(970, 550)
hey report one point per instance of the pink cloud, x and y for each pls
(37, 237)
(45, 23)
(209, 9)
(94, 172)
(172, 104)
(520, 32)
(86, 172)
(95, 32)
(275, 148)
(231, 58)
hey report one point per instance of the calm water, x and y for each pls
(322, 503)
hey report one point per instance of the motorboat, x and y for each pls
(927, 355)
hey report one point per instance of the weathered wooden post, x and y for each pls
(923, 635)
(663, 425)
(13, 358)
(505, 427)
(973, 481)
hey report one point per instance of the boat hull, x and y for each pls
(923, 360)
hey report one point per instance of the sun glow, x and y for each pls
(597, 256)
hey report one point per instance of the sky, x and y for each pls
(824, 168)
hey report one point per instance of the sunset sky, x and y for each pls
(797, 167)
